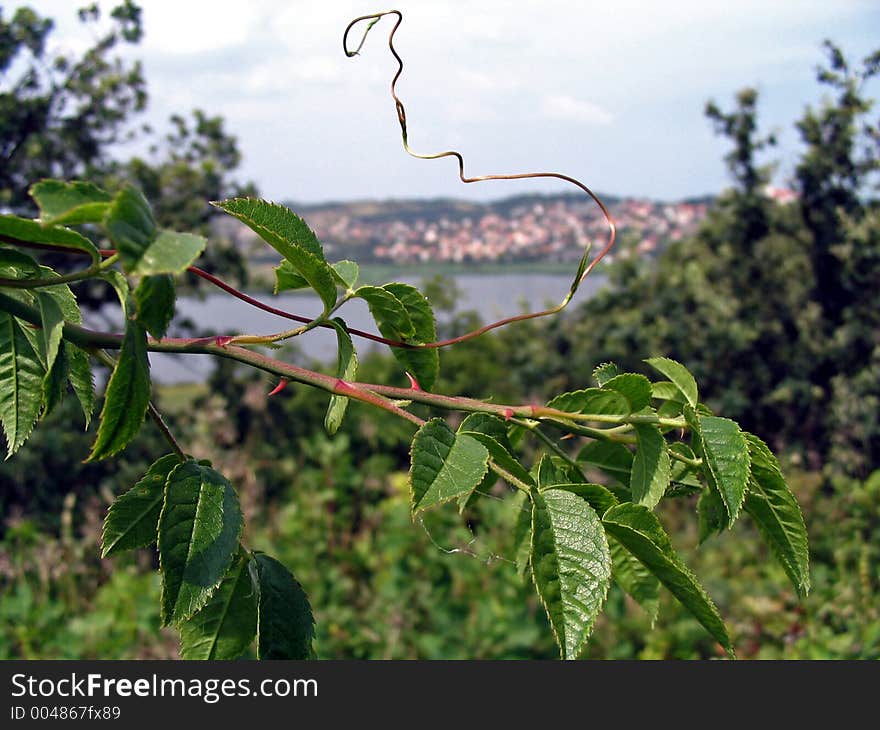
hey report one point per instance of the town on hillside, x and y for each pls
(534, 228)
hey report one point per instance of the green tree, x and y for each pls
(60, 115)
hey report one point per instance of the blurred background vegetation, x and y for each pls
(773, 307)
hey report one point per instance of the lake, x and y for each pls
(494, 295)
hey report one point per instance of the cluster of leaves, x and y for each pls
(575, 535)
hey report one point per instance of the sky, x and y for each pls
(611, 93)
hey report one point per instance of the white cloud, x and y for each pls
(567, 108)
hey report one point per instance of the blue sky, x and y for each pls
(611, 93)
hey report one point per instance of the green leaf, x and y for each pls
(346, 273)
(501, 456)
(23, 229)
(81, 380)
(144, 249)
(678, 374)
(495, 428)
(21, 382)
(55, 382)
(650, 467)
(391, 316)
(170, 253)
(287, 278)
(131, 226)
(571, 565)
(614, 459)
(227, 623)
(444, 465)
(316, 272)
(346, 369)
(592, 400)
(276, 225)
(133, 519)
(634, 578)
(51, 327)
(522, 532)
(597, 496)
(639, 531)
(604, 372)
(711, 513)
(489, 425)
(725, 454)
(635, 388)
(775, 510)
(665, 390)
(285, 625)
(17, 265)
(70, 203)
(682, 474)
(199, 529)
(424, 364)
(120, 286)
(154, 303)
(127, 396)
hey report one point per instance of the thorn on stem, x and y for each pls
(282, 384)
(413, 383)
(508, 414)
(223, 340)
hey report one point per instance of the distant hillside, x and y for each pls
(548, 228)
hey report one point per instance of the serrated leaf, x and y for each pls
(131, 226)
(522, 532)
(614, 459)
(501, 456)
(133, 519)
(17, 265)
(711, 513)
(725, 454)
(346, 369)
(287, 278)
(285, 625)
(424, 364)
(650, 467)
(51, 327)
(154, 300)
(346, 273)
(489, 425)
(597, 496)
(81, 380)
(571, 565)
(391, 316)
(634, 578)
(199, 529)
(55, 382)
(635, 388)
(665, 390)
(23, 229)
(120, 286)
(227, 624)
(143, 248)
(592, 400)
(70, 203)
(679, 375)
(444, 465)
(276, 225)
(604, 372)
(775, 510)
(640, 532)
(316, 272)
(126, 397)
(170, 253)
(21, 382)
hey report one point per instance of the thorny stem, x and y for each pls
(381, 396)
